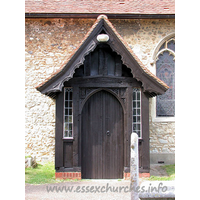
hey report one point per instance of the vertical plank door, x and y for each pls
(102, 137)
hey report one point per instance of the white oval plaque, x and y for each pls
(103, 38)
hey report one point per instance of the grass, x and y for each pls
(46, 174)
(170, 169)
(41, 174)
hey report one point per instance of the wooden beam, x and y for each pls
(95, 15)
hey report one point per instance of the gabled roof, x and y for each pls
(105, 6)
(150, 83)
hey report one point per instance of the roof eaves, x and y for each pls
(146, 70)
(105, 18)
(71, 56)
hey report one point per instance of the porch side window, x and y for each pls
(68, 110)
(165, 70)
(137, 112)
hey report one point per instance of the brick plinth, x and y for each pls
(77, 175)
(126, 176)
(68, 175)
(144, 175)
(141, 175)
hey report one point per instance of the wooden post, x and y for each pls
(134, 167)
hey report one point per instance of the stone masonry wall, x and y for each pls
(162, 136)
(48, 43)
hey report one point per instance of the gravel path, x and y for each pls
(80, 190)
(86, 189)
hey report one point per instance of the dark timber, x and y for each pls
(95, 15)
(102, 137)
(102, 77)
(102, 110)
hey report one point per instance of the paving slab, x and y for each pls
(157, 170)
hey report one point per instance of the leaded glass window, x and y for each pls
(68, 109)
(165, 70)
(137, 112)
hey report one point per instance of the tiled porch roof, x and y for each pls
(60, 72)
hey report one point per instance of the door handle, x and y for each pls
(108, 133)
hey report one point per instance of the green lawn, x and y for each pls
(41, 174)
(46, 174)
(170, 169)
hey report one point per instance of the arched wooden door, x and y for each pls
(102, 137)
